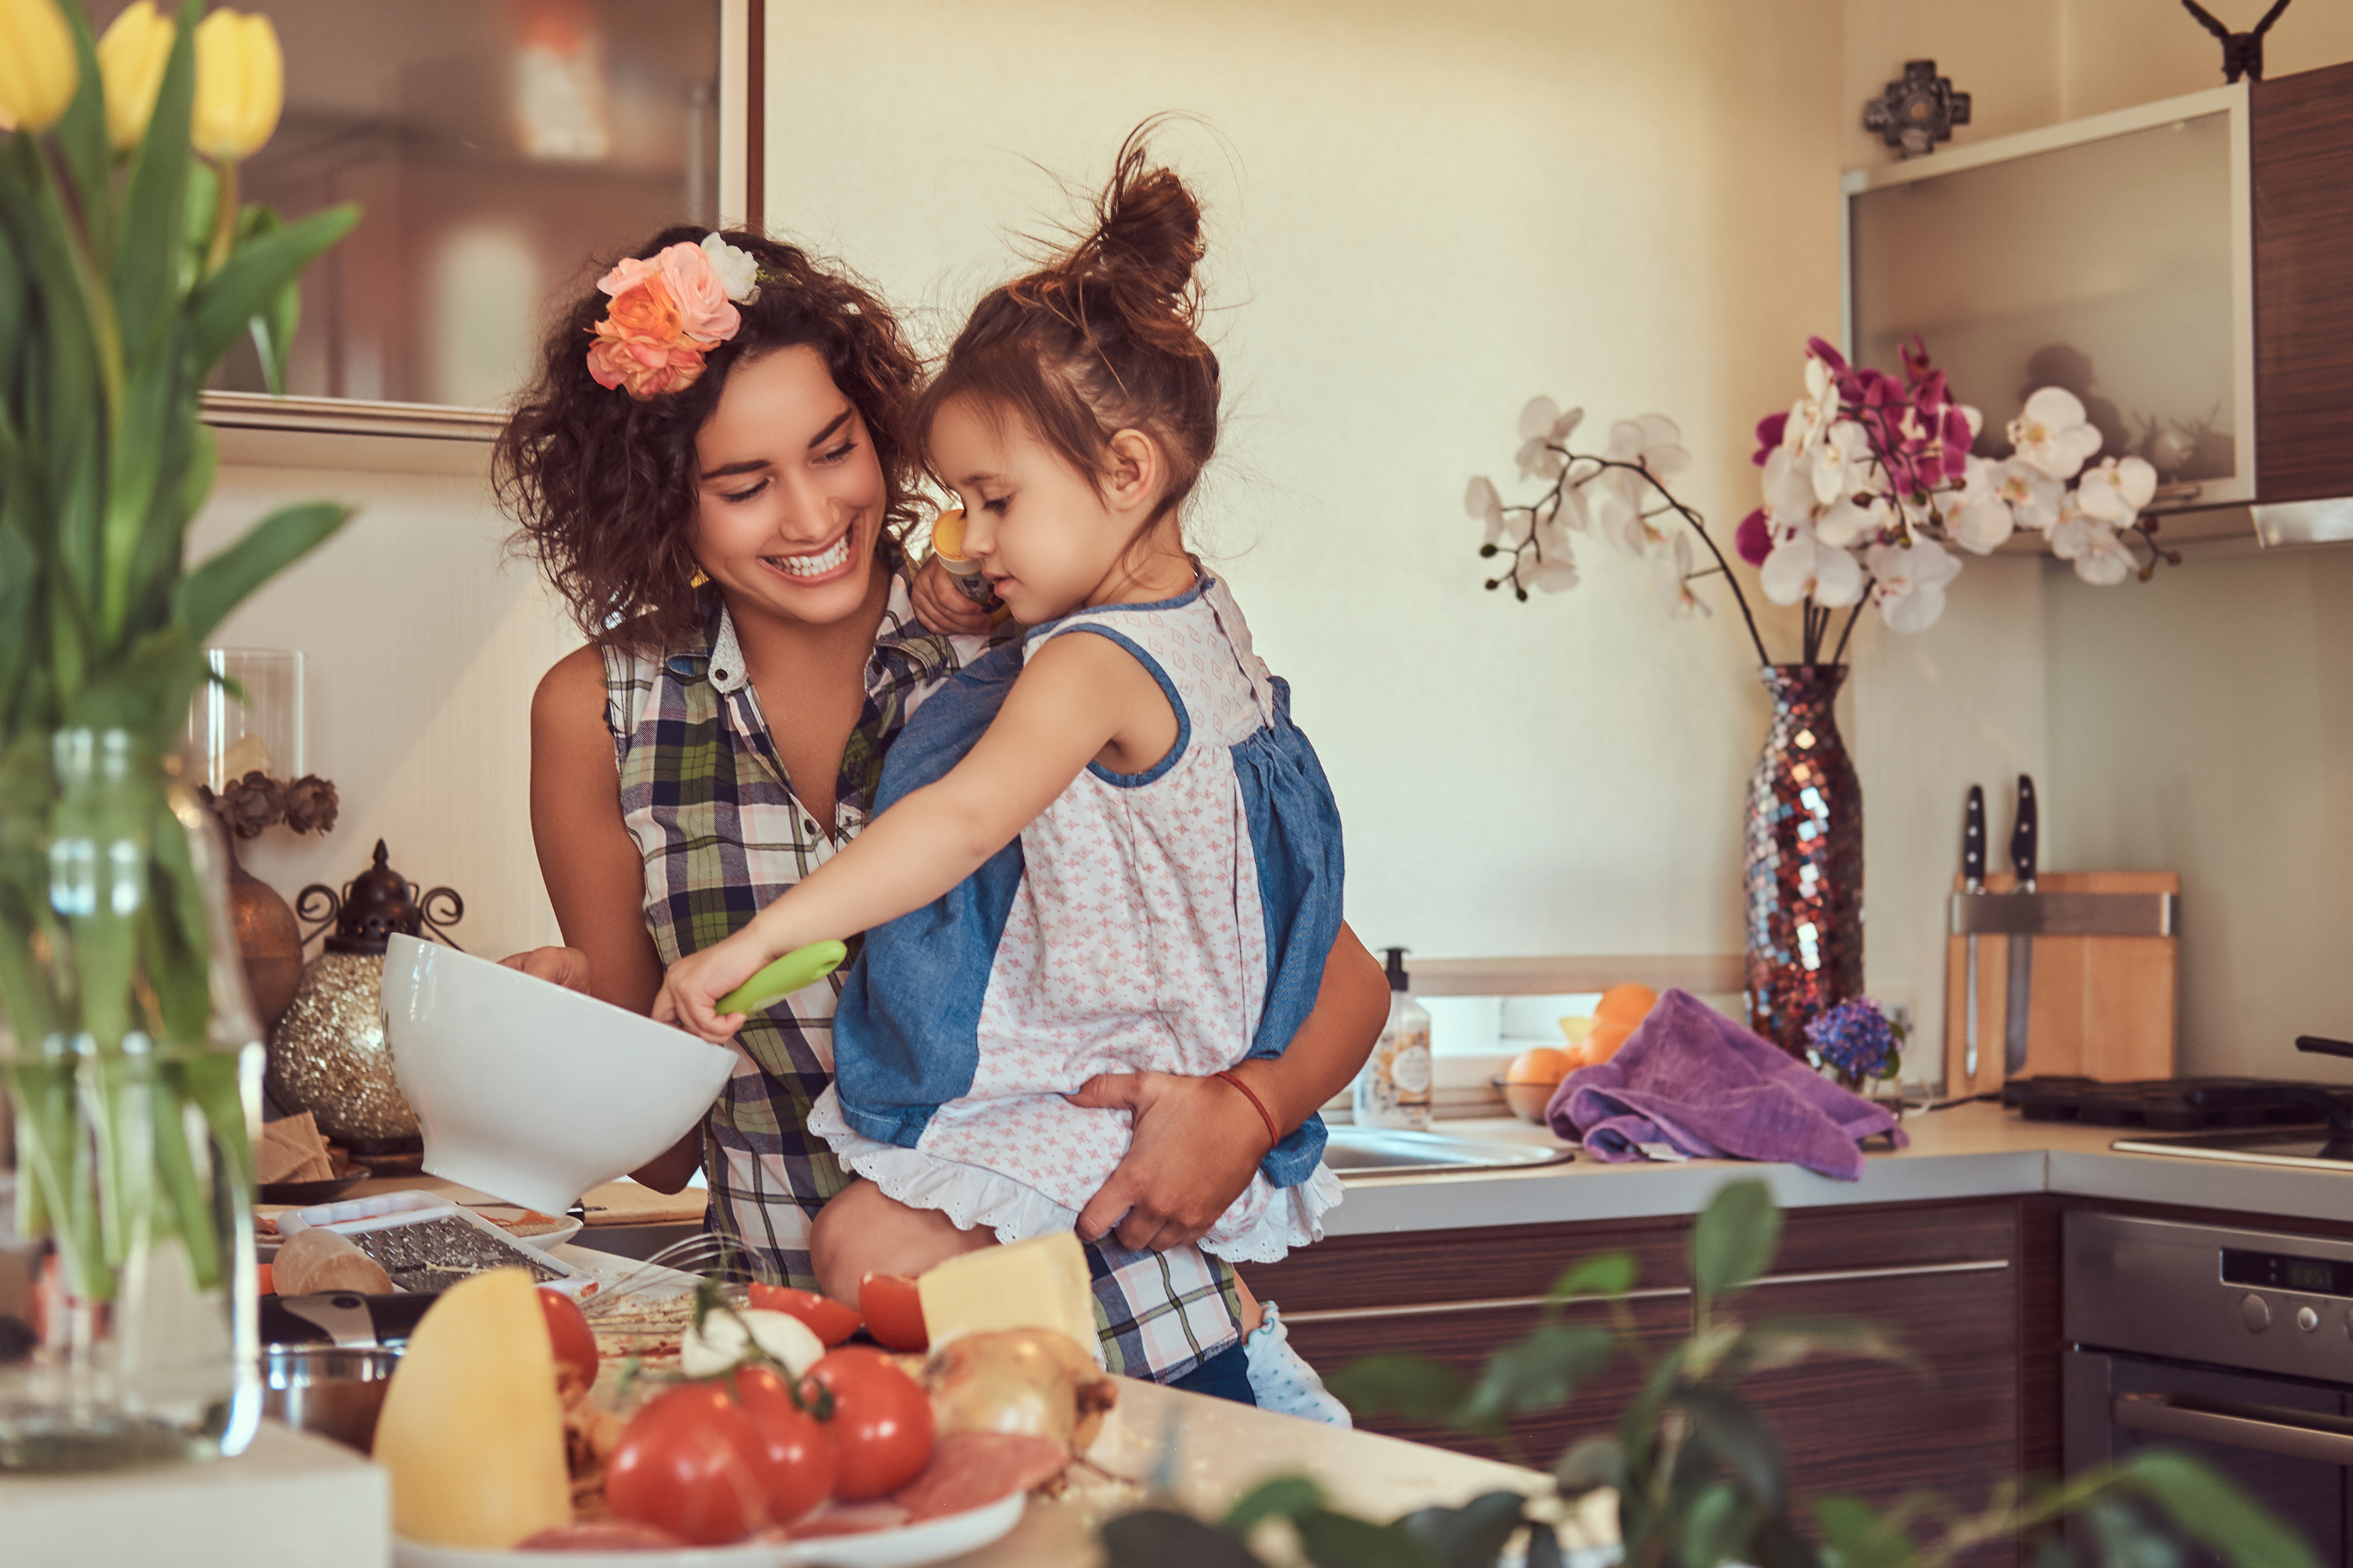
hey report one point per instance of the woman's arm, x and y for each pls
(594, 876)
(1078, 696)
(1197, 1142)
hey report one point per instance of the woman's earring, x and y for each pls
(698, 579)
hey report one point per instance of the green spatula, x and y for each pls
(797, 968)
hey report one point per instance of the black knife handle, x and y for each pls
(1973, 840)
(2022, 837)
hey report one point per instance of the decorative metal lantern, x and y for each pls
(327, 1054)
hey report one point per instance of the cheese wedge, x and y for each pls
(1040, 1283)
(472, 1431)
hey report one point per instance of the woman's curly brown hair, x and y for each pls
(602, 486)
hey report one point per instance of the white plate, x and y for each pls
(549, 1239)
(909, 1546)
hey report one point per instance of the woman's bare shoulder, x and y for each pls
(571, 694)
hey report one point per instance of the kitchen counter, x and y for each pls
(1968, 1152)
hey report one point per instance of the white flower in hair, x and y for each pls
(738, 271)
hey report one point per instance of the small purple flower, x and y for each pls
(1855, 1038)
(1769, 431)
(1754, 538)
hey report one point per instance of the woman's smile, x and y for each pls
(815, 565)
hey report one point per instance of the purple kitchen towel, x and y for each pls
(1692, 1077)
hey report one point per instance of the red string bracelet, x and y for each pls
(1272, 1137)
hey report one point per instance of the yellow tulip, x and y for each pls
(37, 71)
(240, 85)
(131, 61)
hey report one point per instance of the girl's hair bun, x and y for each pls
(1104, 336)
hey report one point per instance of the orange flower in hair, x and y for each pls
(668, 312)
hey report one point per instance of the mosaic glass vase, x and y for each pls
(1804, 860)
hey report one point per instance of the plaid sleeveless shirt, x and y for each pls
(704, 795)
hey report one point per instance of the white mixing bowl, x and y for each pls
(531, 1092)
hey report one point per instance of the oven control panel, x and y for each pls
(2225, 1296)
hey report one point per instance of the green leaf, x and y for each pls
(1778, 1343)
(1609, 1274)
(1285, 1496)
(209, 593)
(273, 328)
(1162, 1538)
(81, 136)
(1538, 1372)
(1471, 1536)
(1417, 1389)
(1341, 1541)
(1590, 1462)
(252, 277)
(2211, 1510)
(1736, 1434)
(1734, 1239)
(150, 276)
(1716, 1526)
(2129, 1541)
(1856, 1535)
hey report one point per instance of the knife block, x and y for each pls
(2101, 1006)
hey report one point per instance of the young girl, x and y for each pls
(1106, 849)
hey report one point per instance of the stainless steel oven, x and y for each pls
(2235, 1345)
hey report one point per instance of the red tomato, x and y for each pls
(827, 1319)
(575, 1341)
(691, 1462)
(802, 1458)
(894, 1312)
(882, 1420)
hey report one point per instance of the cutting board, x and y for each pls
(2103, 1006)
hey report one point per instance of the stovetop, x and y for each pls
(2163, 1105)
(2299, 1147)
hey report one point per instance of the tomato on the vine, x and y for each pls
(692, 1462)
(882, 1420)
(573, 1340)
(827, 1319)
(894, 1311)
(802, 1458)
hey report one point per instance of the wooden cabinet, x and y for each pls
(1968, 1287)
(2300, 151)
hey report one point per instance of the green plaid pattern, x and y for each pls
(705, 797)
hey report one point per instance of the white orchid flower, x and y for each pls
(1908, 582)
(1975, 514)
(738, 271)
(1853, 518)
(1671, 570)
(2051, 434)
(1543, 427)
(1789, 485)
(1482, 503)
(1618, 508)
(2093, 545)
(2031, 495)
(1840, 463)
(1801, 565)
(1653, 440)
(2116, 491)
(1573, 513)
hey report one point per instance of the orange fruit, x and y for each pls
(1543, 1064)
(1608, 1034)
(1628, 1003)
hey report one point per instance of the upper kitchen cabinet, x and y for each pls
(2302, 153)
(2185, 267)
(501, 151)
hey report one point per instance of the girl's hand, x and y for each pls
(564, 966)
(1196, 1145)
(941, 606)
(692, 990)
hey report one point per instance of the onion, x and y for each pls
(1032, 1381)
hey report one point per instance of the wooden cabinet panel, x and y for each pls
(2300, 134)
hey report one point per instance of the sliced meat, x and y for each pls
(972, 1470)
(605, 1535)
(844, 1519)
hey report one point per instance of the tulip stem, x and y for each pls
(223, 218)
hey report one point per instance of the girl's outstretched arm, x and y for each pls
(1078, 695)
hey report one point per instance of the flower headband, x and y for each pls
(668, 312)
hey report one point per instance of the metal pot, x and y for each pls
(334, 1391)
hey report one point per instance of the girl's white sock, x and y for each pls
(1283, 1381)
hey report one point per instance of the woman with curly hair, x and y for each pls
(716, 468)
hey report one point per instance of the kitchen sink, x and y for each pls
(1360, 1151)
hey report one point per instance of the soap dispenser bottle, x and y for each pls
(1393, 1089)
